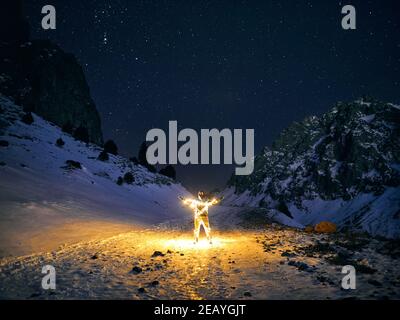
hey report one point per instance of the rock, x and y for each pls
(168, 171)
(157, 254)
(247, 294)
(129, 178)
(340, 259)
(43, 78)
(325, 227)
(94, 257)
(111, 147)
(155, 283)
(71, 164)
(288, 254)
(141, 290)
(324, 279)
(60, 142)
(27, 118)
(300, 265)
(327, 158)
(317, 249)
(136, 270)
(365, 269)
(120, 181)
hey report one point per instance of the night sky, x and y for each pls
(223, 64)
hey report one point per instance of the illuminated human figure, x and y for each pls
(200, 207)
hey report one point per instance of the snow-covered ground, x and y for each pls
(38, 192)
(377, 215)
(43, 203)
(242, 263)
(110, 241)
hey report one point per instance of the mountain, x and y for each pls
(343, 167)
(48, 178)
(44, 79)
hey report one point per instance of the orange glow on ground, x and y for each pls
(188, 243)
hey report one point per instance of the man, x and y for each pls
(200, 208)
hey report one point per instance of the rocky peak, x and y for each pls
(352, 149)
(44, 79)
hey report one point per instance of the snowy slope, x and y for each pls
(342, 167)
(37, 188)
(377, 215)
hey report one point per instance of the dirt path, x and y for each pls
(271, 264)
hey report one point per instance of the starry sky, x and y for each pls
(223, 64)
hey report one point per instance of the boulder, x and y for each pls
(136, 270)
(157, 254)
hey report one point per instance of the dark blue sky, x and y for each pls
(224, 64)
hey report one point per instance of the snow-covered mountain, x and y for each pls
(43, 182)
(342, 167)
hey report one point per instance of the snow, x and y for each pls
(260, 262)
(246, 201)
(371, 174)
(316, 144)
(36, 191)
(377, 215)
(394, 106)
(335, 169)
(363, 103)
(298, 163)
(285, 183)
(368, 118)
(366, 212)
(284, 219)
(38, 195)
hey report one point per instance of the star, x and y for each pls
(105, 38)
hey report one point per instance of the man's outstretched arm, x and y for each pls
(215, 201)
(186, 201)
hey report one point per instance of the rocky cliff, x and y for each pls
(42, 78)
(348, 157)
